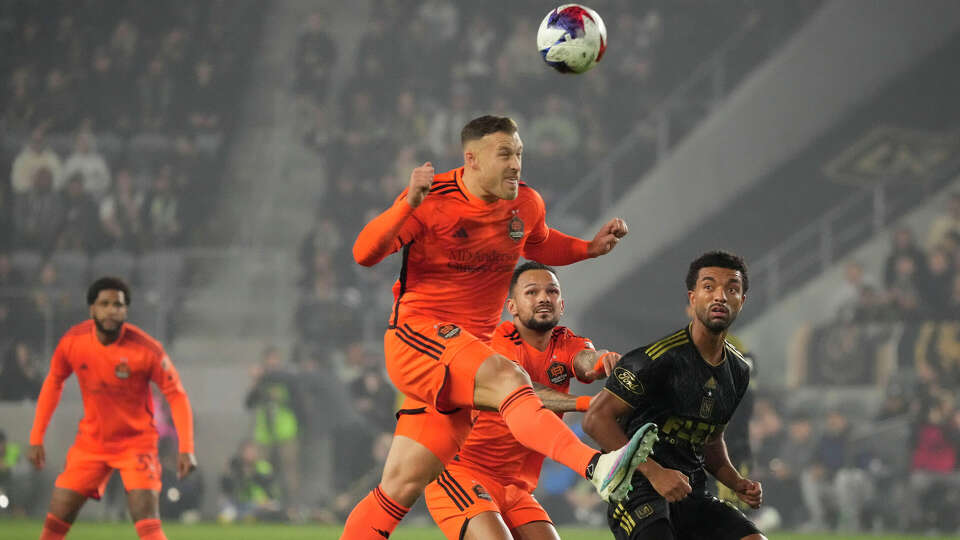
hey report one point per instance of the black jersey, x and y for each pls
(670, 384)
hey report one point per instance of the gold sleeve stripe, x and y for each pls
(671, 346)
(651, 350)
(618, 397)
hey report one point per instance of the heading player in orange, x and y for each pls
(114, 362)
(486, 492)
(461, 233)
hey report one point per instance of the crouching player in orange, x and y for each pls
(114, 362)
(486, 492)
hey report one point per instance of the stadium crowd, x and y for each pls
(838, 463)
(112, 125)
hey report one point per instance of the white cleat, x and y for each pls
(614, 471)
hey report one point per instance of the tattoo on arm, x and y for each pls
(554, 400)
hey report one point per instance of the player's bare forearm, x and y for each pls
(555, 401)
(717, 462)
(601, 424)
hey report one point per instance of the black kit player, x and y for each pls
(688, 383)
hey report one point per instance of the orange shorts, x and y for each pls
(434, 362)
(461, 494)
(87, 472)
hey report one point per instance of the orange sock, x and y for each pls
(539, 429)
(373, 518)
(149, 529)
(54, 528)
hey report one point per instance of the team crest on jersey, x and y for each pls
(644, 511)
(629, 380)
(447, 331)
(706, 407)
(515, 227)
(481, 493)
(557, 373)
(122, 371)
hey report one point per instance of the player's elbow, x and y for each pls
(592, 421)
(364, 257)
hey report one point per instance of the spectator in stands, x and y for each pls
(58, 103)
(954, 305)
(365, 131)
(836, 478)
(314, 59)
(904, 245)
(248, 487)
(202, 102)
(121, 214)
(36, 155)
(326, 313)
(443, 134)
(372, 396)
(19, 106)
(934, 460)
(946, 223)
(409, 123)
(782, 476)
(37, 214)
(156, 87)
(89, 164)
(105, 96)
(277, 408)
(78, 230)
(904, 289)
(935, 289)
(844, 301)
(162, 212)
(20, 376)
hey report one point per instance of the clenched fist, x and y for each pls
(420, 180)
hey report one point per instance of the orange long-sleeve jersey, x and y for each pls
(115, 385)
(459, 251)
(491, 448)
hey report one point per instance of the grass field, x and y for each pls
(30, 530)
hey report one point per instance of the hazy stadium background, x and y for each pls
(238, 146)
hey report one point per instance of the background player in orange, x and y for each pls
(114, 362)
(462, 233)
(486, 491)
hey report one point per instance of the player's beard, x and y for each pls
(541, 325)
(715, 326)
(111, 334)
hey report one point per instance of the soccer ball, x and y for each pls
(572, 38)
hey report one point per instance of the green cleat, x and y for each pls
(614, 472)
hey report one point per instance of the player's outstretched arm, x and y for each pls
(607, 237)
(386, 233)
(717, 461)
(590, 365)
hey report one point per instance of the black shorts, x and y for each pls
(698, 516)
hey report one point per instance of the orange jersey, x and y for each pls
(491, 447)
(460, 251)
(115, 385)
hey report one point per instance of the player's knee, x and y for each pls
(502, 372)
(405, 491)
